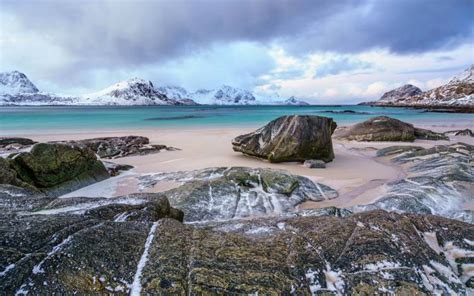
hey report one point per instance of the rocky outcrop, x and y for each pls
(10, 145)
(314, 164)
(400, 93)
(236, 192)
(116, 147)
(440, 181)
(103, 250)
(465, 132)
(457, 94)
(383, 128)
(290, 138)
(56, 168)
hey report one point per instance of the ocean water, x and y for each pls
(14, 119)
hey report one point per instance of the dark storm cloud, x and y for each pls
(402, 26)
(134, 32)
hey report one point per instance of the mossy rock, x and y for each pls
(50, 166)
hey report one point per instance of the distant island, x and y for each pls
(16, 89)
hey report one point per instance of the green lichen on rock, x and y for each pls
(290, 138)
(386, 129)
(51, 167)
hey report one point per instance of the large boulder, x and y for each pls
(58, 167)
(383, 128)
(290, 138)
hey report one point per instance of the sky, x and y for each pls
(326, 52)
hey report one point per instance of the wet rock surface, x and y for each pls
(440, 181)
(368, 253)
(465, 132)
(383, 128)
(236, 192)
(290, 138)
(56, 168)
(10, 145)
(116, 147)
(314, 164)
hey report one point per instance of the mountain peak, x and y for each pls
(401, 92)
(16, 82)
(467, 76)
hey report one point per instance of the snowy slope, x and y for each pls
(225, 95)
(134, 91)
(15, 82)
(458, 92)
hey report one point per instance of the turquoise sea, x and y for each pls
(67, 117)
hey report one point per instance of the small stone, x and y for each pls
(315, 164)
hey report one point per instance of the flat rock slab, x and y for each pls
(116, 147)
(237, 192)
(440, 181)
(368, 253)
(383, 128)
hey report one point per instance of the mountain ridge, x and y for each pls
(457, 93)
(16, 89)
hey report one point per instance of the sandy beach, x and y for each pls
(355, 173)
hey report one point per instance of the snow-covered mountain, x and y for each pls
(294, 102)
(458, 92)
(17, 89)
(134, 91)
(15, 82)
(226, 95)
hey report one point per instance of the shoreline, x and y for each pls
(357, 175)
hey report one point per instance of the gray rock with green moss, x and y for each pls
(290, 138)
(97, 252)
(440, 181)
(383, 128)
(57, 168)
(238, 192)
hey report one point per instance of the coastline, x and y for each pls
(355, 173)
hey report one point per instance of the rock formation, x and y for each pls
(440, 181)
(235, 192)
(57, 167)
(458, 93)
(290, 138)
(116, 147)
(383, 128)
(128, 246)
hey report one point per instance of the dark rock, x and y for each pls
(290, 138)
(424, 134)
(115, 147)
(385, 128)
(397, 150)
(14, 145)
(466, 132)
(314, 164)
(5, 141)
(368, 253)
(114, 169)
(57, 168)
(232, 193)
